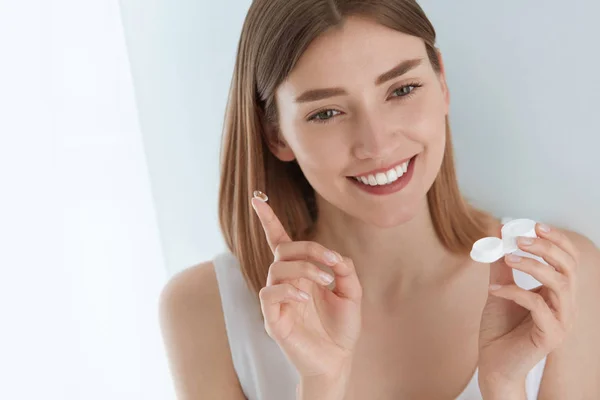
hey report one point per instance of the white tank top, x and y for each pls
(263, 369)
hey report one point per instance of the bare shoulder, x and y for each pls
(195, 338)
(573, 370)
(588, 250)
(588, 278)
(588, 261)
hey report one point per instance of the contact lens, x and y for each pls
(260, 195)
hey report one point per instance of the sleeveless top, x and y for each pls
(263, 369)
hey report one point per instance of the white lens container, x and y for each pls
(491, 249)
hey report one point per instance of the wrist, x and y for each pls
(500, 390)
(321, 389)
(324, 387)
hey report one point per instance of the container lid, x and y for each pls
(487, 250)
(515, 228)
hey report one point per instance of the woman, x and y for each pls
(354, 280)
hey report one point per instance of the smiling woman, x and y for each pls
(324, 63)
(352, 279)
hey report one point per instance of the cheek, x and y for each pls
(431, 122)
(317, 150)
(424, 120)
(322, 155)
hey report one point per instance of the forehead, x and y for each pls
(356, 52)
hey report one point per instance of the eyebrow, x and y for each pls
(398, 70)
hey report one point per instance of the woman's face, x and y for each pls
(372, 121)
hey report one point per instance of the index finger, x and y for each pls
(274, 230)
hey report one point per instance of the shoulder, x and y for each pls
(195, 338)
(588, 250)
(587, 276)
(587, 257)
(572, 369)
(188, 287)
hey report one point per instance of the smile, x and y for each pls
(386, 181)
(385, 177)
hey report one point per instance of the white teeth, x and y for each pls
(382, 178)
(392, 176)
(399, 171)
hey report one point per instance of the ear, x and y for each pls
(445, 89)
(277, 144)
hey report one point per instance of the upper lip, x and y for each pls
(384, 169)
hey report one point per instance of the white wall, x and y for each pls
(80, 255)
(525, 93)
(182, 55)
(524, 85)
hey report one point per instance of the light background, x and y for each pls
(525, 100)
(110, 124)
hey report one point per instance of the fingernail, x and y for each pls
(330, 257)
(513, 258)
(526, 241)
(544, 228)
(260, 196)
(326, 278)
(495, 287)
(303, 295)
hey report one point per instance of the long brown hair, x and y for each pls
(274, 36)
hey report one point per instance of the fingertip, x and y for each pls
(256, 205)
(542, 228)
(257, 198)
(257, 194)
(302, 295)
(339, 256)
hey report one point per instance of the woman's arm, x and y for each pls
(573, 370)
(194, 334)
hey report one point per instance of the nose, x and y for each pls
(375, 139)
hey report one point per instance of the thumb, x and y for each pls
(500, 273)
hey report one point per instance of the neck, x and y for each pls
(394, 261)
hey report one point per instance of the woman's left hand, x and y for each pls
(520, 327)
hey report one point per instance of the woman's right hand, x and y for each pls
(317, 333)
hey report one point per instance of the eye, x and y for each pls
(404, 90)
(323, 116)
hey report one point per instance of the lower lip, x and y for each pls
(398, 184)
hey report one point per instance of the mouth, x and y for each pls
(386, 181)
